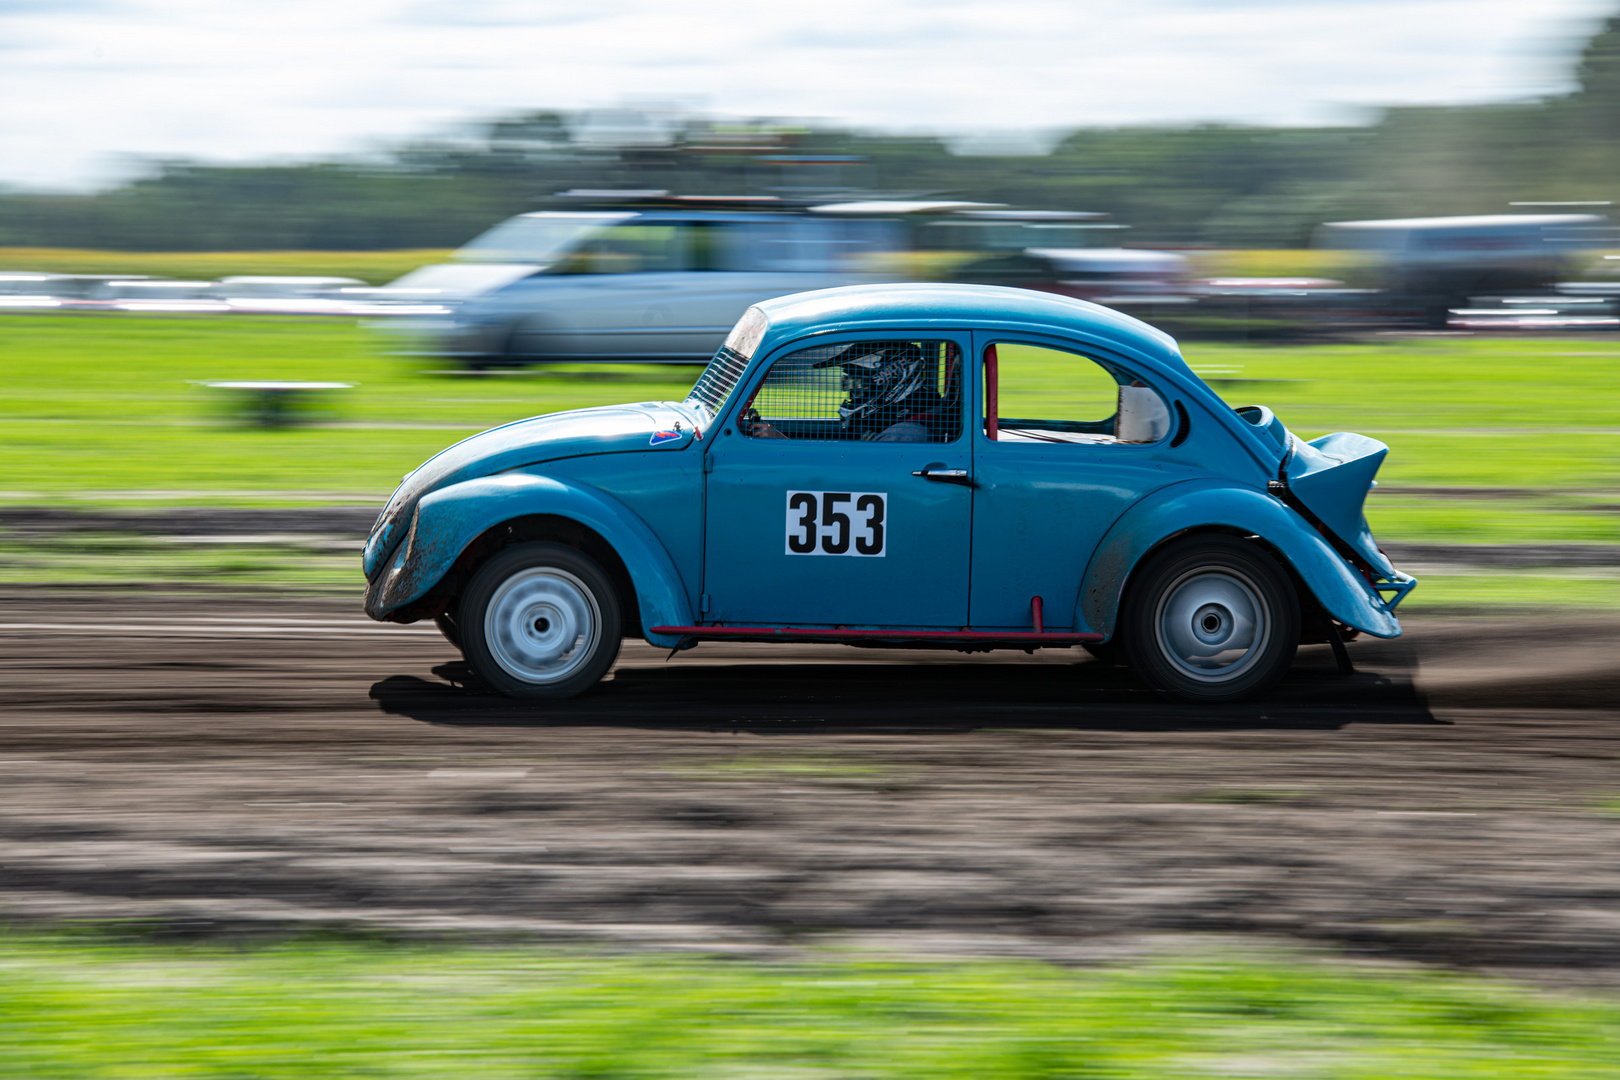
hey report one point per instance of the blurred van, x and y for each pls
(660, 280)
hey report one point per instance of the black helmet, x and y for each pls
(880, 380)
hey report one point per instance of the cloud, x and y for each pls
(498, 13)
(72, 8)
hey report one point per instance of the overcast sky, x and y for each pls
(87, 87)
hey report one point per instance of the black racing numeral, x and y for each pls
(805, 542)
(872, 507)
(830, 518)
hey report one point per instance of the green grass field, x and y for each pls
(107, 407)
(1494, 440)
(79, 1009)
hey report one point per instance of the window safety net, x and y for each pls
(881, 391)
(718, 379)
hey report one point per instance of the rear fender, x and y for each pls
(1332, 476)
(1205, 504)
(449, 519)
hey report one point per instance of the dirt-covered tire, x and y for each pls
(540, 620)
(446, 623)
(1211, 619)
(1109, 652)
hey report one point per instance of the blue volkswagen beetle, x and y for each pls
(946, 466)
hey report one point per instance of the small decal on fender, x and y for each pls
(659, 438)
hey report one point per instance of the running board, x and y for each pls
(1020, 639)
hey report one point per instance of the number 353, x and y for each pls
(836, 522)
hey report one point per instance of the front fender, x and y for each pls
(449, 519)
(1210, 504)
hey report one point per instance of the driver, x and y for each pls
(889, 395)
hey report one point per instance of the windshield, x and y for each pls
(720, 377)
(534, 238)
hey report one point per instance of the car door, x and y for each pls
(1063, 445)
(813, 519)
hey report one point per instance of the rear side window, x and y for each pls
(812, 245)
(1037, 394)
(789, 244)
(879, 390)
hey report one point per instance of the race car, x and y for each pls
(916, 465)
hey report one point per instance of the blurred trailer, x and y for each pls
(1430, 270)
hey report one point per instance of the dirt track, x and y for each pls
(292, 763)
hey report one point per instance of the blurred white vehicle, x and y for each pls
(662, 281)
(161, 295)
(289, 295)
(26, 289)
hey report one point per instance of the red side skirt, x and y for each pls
(990, 638)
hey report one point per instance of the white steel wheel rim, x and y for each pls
(542, 624)
(1212, 624)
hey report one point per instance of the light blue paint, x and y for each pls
(449, 519)
(1332, 476)
(663, 490)
(1212, 504)
(612, 429)
(1067, 522)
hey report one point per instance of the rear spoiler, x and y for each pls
(1326, 481)
(1331, 477)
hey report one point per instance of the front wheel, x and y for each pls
(540, 620)
(1211, 619)
(447, 626)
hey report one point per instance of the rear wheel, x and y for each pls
(540, 620)
(1211, 619)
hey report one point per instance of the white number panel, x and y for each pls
(837, 523)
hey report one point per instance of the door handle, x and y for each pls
(944, 475)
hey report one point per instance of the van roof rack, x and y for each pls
(667, 200)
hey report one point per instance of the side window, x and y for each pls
(892, 390)
(627, 249)
(795, 245)
(1036, 394)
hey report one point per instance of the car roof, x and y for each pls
(988, 307)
